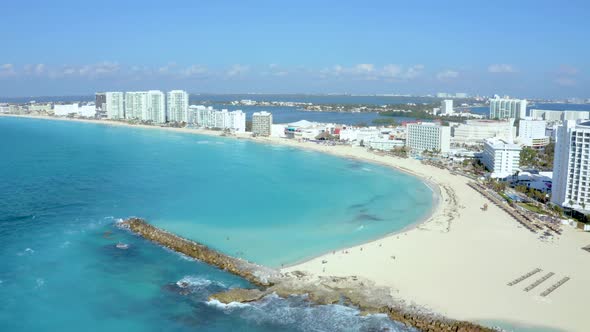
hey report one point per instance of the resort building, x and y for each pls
(208, 117)
(385, 144)
(177, 106)
(359, 135)
(115, 102)
(531, 133)
(262, 123)
(156, 107)
(428, 136)
(44, 108)
(446, 107)
(575, 115)
(136, 105)
(555, 116)
(474, 132)
(504, 108)
(100, 105)
(500, 157)
(65, 109)
(571, 181)
(75, 109)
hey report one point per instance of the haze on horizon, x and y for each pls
(524, 49)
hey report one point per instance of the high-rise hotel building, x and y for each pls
(571, 180)
(115, 102)
(156, 107)
(136, 105)
(262, 123)
(177, 106)
(503, 108)
(428, 136)
(101, 105)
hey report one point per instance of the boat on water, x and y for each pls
(122, 245)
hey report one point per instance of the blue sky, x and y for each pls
(520, 48)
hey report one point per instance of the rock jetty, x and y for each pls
(254, 273)
(353, 290)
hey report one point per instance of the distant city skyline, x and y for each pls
(505, 48)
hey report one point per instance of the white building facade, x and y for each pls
(136, 105)
(446, 107)
(262, 123)
(571, 180)
(504, 108)
(115, 103)
(208, 117)
(474, 132)
(554, 116)
(156, 107)
(428, 136)
(500, 157)
(177, 106)
(531, 133)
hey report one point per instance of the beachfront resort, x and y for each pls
(506, 241)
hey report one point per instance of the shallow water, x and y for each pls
(63, 185)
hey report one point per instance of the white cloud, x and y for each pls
(364, 68)
(567, 70)
(565, 81)
(414, 71)
(501, 68)
(237, 70)
(194, 71)
(367, 71)
(37, 69)
(447, 75)
(276, 70)
(391, 71)
(7, 69)
(91, 71)
(167, 69)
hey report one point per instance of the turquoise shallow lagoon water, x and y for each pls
(63, 184)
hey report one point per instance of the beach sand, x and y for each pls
(459, 261)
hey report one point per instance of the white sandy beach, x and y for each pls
(458, 263)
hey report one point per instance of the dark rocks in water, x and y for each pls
(255, 274)
(367, 217)
(361, 205)
(354, 291)
(239, 295)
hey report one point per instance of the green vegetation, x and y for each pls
(385, 122)
(533, 193)
(540, 159)
(401, 152)
(474, 166)
(532, 208)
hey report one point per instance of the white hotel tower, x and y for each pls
(156, 109)
(504, 108)
(114, 104)
(178, 106)
(571, 181)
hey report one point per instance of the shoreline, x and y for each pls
(306, 146)
(460, 273)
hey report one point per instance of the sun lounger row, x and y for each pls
(522, 219)
(524, 276)
(555, 286)
(539, 281)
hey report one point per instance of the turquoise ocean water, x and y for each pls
(63, 185)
